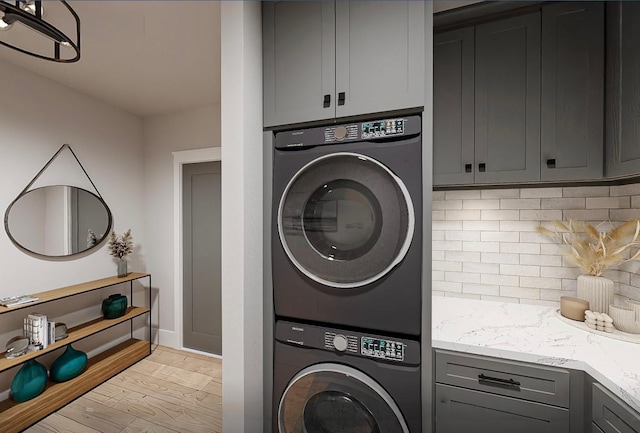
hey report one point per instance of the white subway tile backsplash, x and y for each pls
(608, 202)
(500, 258)
(447, 245)
(519, 226)
(499, 215)
(541, 193)
(520, 270)
(500, 280)
(482, 247)
(446, 204)
(541, 283)
(540, 215)
(461, 277)
(519, 292)
(462, 215)
(461, 235)
(486, 244)
(585, 191)
(618, 190)
(462, 295)
(500, 236)
(463, 194)
(521, 203)
(540, 260)
(481, 204)
(481, 225)
(563, 203)
(481, 289)
(519, 248)
(441, 265)
(500, 193)
(484, 268)
(459, 256)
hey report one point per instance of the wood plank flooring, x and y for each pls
(170, 391)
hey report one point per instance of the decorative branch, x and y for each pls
(120, 246)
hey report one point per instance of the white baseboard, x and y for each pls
(168, 338)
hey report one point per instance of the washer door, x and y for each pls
(345, 220)
(331, 398)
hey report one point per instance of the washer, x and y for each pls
(347, 238)
(331, 380)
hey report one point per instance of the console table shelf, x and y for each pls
(15, 417)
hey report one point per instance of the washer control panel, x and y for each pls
(340, 342)
(341, 133)
(380, 348)
(383, 128)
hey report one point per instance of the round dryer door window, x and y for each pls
(330, 398)
(345, 220)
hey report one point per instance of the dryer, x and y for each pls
(347, 234)
(331, 380)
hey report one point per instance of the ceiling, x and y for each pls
(145, 57)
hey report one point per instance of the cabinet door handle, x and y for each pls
(551, 163)
(501, 383)
(326, 103)
(468, 168)
(341, 97)
(482, 167)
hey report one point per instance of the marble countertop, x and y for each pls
(534, 334)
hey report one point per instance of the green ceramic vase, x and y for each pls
(29, 382)
(68, 365)
(114, 306)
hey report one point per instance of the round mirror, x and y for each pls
(57, 221)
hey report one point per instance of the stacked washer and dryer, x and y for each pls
(347, 265)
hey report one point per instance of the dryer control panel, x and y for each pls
(382, 128)
(349, 343)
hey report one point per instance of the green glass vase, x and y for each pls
(68, 365)
(29, 382)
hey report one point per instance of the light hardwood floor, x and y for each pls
(169, 391)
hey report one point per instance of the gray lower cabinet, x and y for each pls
(572, 125)
(453, 107)
(334, 59)
(623, 89)
(612, 415)
(464, 410)
(507, 100)
(479, 394)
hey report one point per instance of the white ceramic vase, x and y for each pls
(598, 291)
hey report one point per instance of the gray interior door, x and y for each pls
(201, 206)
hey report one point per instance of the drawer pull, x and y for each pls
(501, 383)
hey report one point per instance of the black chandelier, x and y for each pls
(30, 14)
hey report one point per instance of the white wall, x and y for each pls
(37, 116)
(192, 129)
(486, 245)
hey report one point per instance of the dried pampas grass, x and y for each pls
(593, 250)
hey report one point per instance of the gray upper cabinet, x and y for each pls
(507, 100)
(299, 61)
(572, 91)
(453, 107)
(612, 415)
(623, 89)
(334, 59)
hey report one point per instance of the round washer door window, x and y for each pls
(330, 398)
(345, 220)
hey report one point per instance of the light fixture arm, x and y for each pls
(14, 13)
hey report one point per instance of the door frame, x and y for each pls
(180, 158)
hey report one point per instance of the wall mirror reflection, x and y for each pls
(58, 220)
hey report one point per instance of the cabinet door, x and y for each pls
(299, 61)
(453, 93)
(611, 414)
(623, 89)
(380, 53)
(507, 123)
(463, 410)
(572, 91)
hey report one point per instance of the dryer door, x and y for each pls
(345, 220)
(330, 398)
